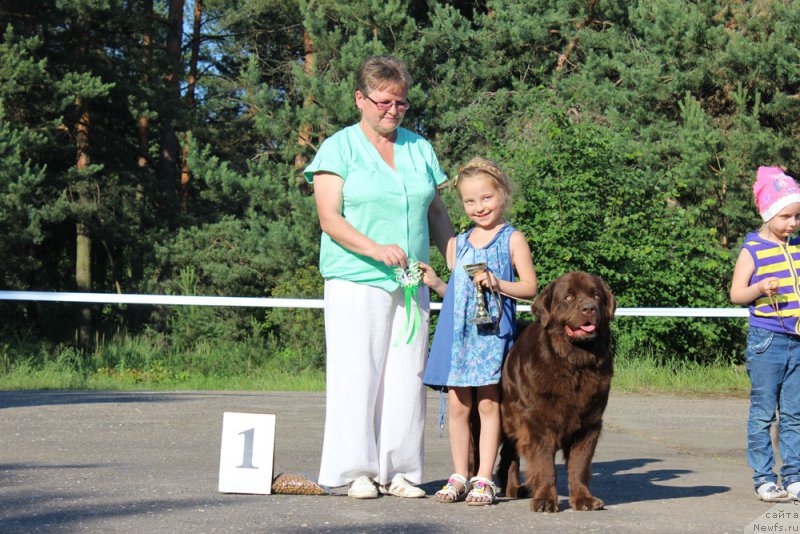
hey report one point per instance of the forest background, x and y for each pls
(155, 146)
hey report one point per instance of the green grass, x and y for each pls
(150, 361)
(640, 374)
(53, 377)
(648, 374)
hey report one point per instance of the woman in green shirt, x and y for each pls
(375, 187)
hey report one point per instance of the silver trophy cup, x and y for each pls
(481, 313)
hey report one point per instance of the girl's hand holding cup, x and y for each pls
(486, 279)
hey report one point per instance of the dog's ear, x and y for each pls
(611, 302)
(541, 305)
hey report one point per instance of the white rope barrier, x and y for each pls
(256, 302)
(169, 300)
(684, 312)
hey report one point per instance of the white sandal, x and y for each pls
(483, 492)
(454, 491)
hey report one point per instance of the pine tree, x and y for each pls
(84, 94)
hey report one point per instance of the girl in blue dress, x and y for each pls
(464, 355)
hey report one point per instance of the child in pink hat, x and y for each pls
(774, 190)
(766, 277)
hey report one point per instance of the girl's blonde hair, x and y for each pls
(379, 72)
(485, 167)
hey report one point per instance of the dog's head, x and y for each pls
(578, 305)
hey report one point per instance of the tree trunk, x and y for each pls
(143, 138)
(169, 139)
(83, 249)
(186, 174)
(304, 131)
(563, 58)
(137, 314)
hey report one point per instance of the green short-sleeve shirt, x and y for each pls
(388, 206)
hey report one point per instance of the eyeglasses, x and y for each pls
(401, 105)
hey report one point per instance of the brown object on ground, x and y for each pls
(296, 485)
(556, 381)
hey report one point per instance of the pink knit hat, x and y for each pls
(774, 190)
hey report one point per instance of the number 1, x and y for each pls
(247, 454)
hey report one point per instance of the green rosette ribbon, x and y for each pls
(409, 279)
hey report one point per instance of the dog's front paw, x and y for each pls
(544, 505)
(587, 503)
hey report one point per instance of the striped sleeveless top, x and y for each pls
(781, 261)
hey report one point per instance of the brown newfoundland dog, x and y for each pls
(555, 384)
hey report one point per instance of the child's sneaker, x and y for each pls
(771, 492)
(793, 490)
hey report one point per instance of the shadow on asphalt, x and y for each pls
(29, 398)
(21, 467)
(404, 526)
(614, 484)
(626, 481)
(66, 514)
(22, 399)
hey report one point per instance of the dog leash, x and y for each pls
(497, 295)
(496, 290)
(773, 302)
(500, 292)
(518, 299)
(442, 409)
(773, 299)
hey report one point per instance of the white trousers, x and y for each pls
(375, 399)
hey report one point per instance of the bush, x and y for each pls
(584, 205)
(297, 335)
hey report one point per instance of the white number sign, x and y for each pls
(246, 454)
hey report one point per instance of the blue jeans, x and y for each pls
(773, 365)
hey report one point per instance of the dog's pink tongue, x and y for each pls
(588, 328)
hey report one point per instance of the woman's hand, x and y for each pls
(390, 255)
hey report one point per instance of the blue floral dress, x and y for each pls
(463, 354)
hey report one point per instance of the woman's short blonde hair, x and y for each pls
(380, 72)
(485, 167)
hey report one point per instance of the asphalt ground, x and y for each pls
(73, 461)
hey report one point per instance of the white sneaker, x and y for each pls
(362, 488)
(771, 492)
(400, 487)
(793, 490)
